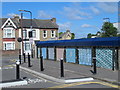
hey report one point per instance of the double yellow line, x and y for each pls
(82, 83)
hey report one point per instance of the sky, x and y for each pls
(80, 18)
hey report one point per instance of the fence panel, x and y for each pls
(60, 53)
(51, 53)
(44, 53)
(104, 57)
(70, 55)
(85, 56)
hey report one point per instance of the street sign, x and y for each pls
(19, 39)
(31, 40)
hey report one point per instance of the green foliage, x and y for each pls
(73, 36)
(90, 35)
(60, 33)
(108, 30)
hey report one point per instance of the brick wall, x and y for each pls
(10, 52)
(16, 36)
(0, 39)
(48, 34)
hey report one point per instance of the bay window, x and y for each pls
(9, 33)
(8, 45)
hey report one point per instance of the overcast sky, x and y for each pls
(79, 17)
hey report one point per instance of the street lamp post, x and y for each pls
(30, 27)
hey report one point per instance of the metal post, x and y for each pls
(64, 54)
(32, 53)
(37, 51)
(20, 55)
(41, 63)
(22, 32)
(77, 55)
(62, 67)
(24, 57)
(29, 60)
(94, 60)
(113, 59)
(116, 59)
(17, 69)
(55, 53)
(47, 54)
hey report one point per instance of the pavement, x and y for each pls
(73, 72)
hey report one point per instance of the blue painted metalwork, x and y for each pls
(51, 53)
(44, 53)
(70, 55)
(104, 58)
(85, 56)
(108, 41)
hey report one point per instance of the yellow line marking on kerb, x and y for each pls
(81, 83)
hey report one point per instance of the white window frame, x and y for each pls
(5, 33)
(52, 33)
(45, 33)
(24, 34)
(34, 33)
(25, 45)
(6, 48)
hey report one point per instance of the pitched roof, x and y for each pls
(64, 34)
(2, 21)
(36, 23)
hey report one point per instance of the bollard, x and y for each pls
(29, 60)
(41, 63)
(62, 67)
(32, 53)
(20, 58)
(94, 65)
(17, 69)
(24, 57)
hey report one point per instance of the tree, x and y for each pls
(89, 35)
(73, 36)
(108, 30)
(60, 33)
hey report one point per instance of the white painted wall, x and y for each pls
(117, 25)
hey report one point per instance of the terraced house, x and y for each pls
(42, 30)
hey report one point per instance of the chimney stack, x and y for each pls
(16, 17)
(53, 20)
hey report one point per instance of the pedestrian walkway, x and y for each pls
(72, 71)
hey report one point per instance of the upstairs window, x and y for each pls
(24, 34)
(44, 34)
(9, 33)
(52, 34)
(33, 33)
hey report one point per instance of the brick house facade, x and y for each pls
(42, 30)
